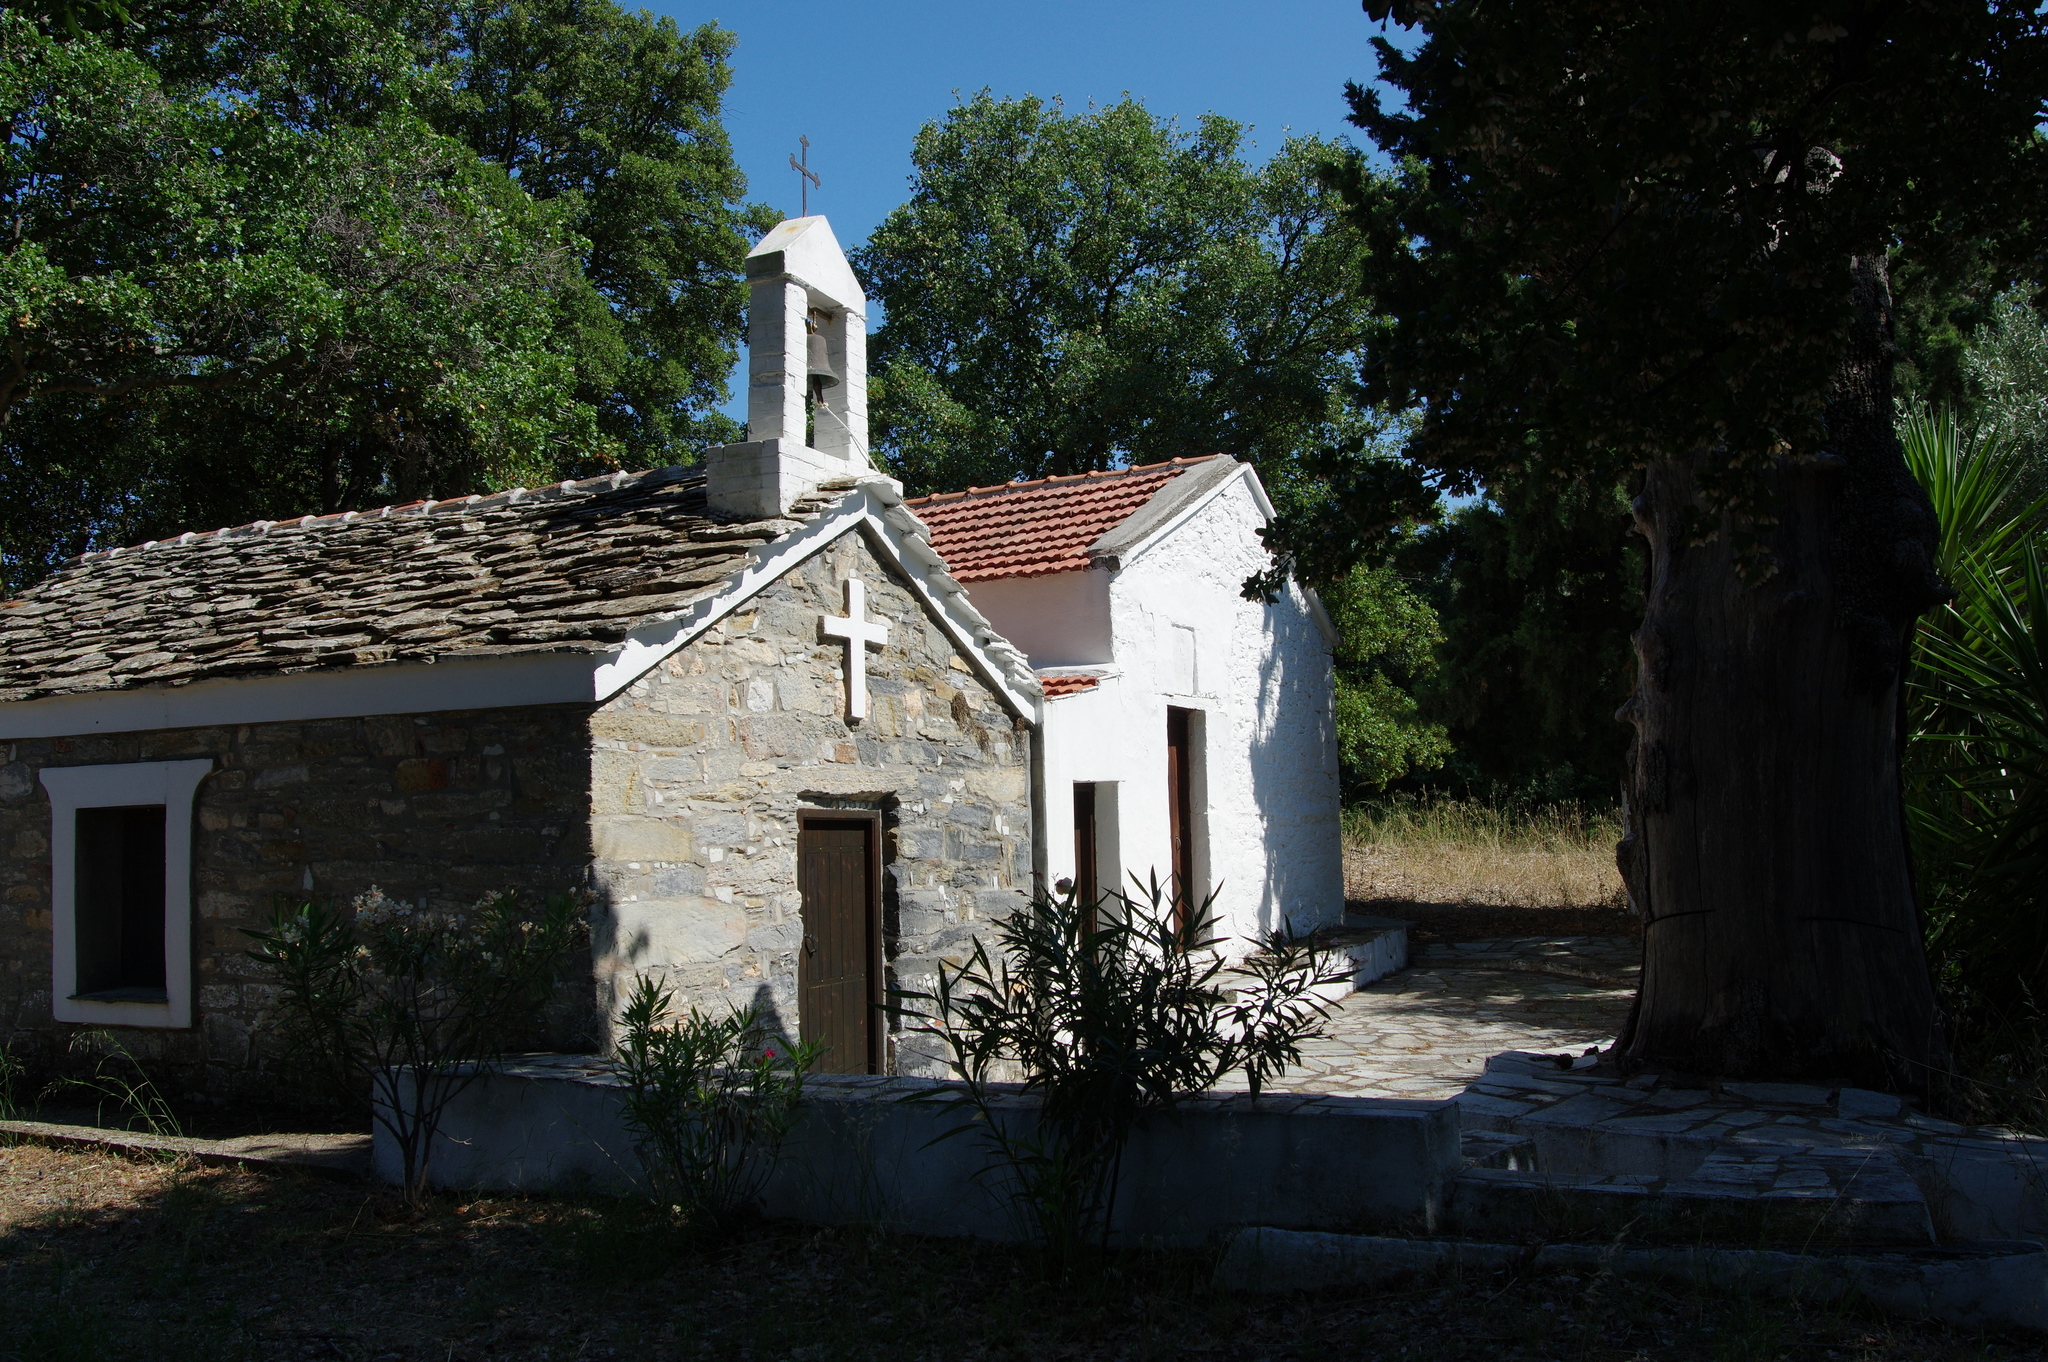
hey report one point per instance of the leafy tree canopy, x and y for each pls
(271, 258)
(1944, 293)
(1073, 291)
(1538, 590)
(1387, 640)
(2007, 364)
(1648, 211)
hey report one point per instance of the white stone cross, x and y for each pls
(858, 633)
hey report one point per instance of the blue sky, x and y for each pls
(860, 79)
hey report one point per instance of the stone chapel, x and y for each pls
(802, 738)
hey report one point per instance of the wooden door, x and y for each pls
(1180, 795)
(838, 969)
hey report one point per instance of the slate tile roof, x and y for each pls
(1031, 529)
(569, 568)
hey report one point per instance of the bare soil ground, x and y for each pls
(105, 1258)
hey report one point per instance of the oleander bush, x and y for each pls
(407, 1007)
(1109, 1013)
(709, 1101)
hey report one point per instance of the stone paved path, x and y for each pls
(1428, 1030)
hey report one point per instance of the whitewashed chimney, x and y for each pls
(799, 285)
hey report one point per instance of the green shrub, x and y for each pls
(410, 1007)
(1977, 705)
(1108, 1013)
(709, 1101)
(1976, 766)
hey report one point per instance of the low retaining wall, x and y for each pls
(861, 1153)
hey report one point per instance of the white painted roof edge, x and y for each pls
(875, 504)
(1238, 472)
(1105, 670)
(1245, 473)
(809, 253)
(1324, 624)
(463, 683)
(1167, 509)
(458, 683)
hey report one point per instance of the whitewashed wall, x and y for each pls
(1059, 620)
(1260, 675)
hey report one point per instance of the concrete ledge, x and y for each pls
(1503, 1203)
(1372, 948)
(863, 1152)
(1976, 1286)
(333, 1155)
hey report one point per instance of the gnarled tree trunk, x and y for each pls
(1765, 845)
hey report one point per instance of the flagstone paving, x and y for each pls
(1428, 1030)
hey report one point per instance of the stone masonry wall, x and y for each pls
(435, 808)
(700, 768)
(683, 791)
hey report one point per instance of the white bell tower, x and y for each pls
(807, 375)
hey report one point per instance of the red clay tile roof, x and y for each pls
(1056, 686)
(1031, 529)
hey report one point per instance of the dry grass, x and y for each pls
(101, 1258)
(1464, 869)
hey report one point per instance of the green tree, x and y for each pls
(1538, 589)
(1387, 637)
(262, 261)
(2007, 364)
(1538, 592)
(1073, 291)
(617, 115)
(1650, 242)
(1944, 291)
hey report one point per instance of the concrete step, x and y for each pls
(1364, 950)
(1799, 1201)
(1496, 1149)
(1370, 948)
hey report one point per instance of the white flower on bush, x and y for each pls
(374, 908)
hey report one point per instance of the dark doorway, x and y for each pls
(839, 964)
(1087, 889)
(1180, 797)
(120, 903)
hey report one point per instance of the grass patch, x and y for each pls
(1545, 868)
(100, 1257)
(1435, 823)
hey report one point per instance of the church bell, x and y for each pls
(819, 369)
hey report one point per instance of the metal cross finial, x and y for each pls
(809, 177)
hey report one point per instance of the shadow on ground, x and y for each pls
(101, 1257)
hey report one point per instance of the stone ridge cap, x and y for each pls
(603, 482)
(1058, 480)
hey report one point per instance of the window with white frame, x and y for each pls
(121, 892)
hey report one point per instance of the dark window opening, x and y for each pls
(1087, 887)
(1180, 796)
(119, 904)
